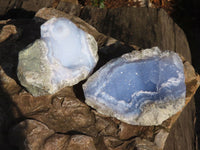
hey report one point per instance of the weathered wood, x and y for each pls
(144, 27)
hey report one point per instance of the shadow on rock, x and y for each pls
(7, 119)
(27, 31)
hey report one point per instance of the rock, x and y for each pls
(112, 142)
(56, 141)
(116, 144)
(143, 144)
(81, 142)
(105, 127)
(62, 118)
(7, 31)
(62, 57)
(139, 97)
(128, 131)
(49, 110)
(61, 112)
(33, 137)
(37, 136)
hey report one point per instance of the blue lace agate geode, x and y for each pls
(140, 88)
(62, 57)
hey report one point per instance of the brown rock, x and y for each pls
(30, 134)
(61, 112)
(28, 105)
(127, 131)
(116, 144)
(105, 126)
(68, 114)
(65, 142)
(112, 142)
(81, 142)
(143, 144)
(7, 31)
(56, 142)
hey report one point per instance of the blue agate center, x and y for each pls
(126, 85)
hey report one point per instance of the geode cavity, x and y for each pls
(140, 88)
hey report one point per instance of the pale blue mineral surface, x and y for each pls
(140, 88)
(63, 56)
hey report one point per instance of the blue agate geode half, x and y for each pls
(140, 88)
